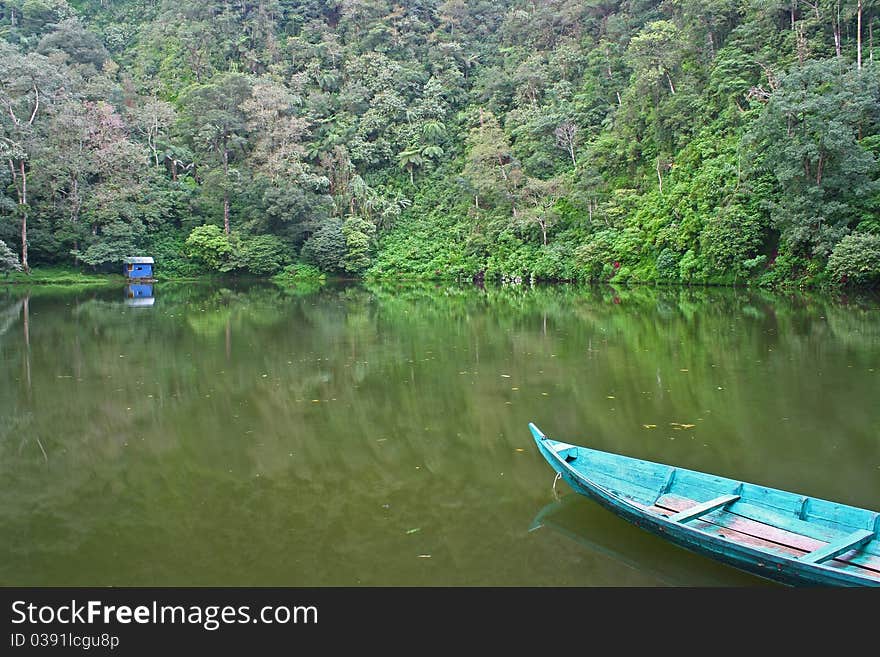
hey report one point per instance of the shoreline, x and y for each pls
(71, 278)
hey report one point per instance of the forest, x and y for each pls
(727, 142)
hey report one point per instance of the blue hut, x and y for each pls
(141, 268)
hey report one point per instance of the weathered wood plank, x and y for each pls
(843, 544)
(623, 487)
(802, 527)
(703, 508)
(730, 519)
(643, 473)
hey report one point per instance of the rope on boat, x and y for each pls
(558, 477)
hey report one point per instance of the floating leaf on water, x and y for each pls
(413, 530)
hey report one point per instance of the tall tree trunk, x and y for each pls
(24, 249)
(226, 211)
(226, 191)
(859, 38)
(659, 176)
(22, 205)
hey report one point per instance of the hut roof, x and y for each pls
(138, 261)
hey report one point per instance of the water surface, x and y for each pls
(247, 435)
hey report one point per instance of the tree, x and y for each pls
(211, 246)
(410, 159)
(539, 200)
(654, 54)
(153, 119)
(216, 124)
(808, 137)
(29, 84)
(8, 259)
(566, 138)
(856, 259)
(491, 167)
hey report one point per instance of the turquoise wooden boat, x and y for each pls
(790, 538)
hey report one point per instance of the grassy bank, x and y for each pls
(70, 276)
(60, 276)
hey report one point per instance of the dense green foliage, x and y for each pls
(8, 259)
(724, 141)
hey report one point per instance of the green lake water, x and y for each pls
(371, 436)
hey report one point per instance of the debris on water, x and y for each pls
(386, 506)
(520, 449)
(424, 556)
(506, 376)
(650, 426)
(682, 370)
(609, 397)
(413, 530)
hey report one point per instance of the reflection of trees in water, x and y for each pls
(353, 397)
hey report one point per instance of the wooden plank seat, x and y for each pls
(703, 508)
(841, 545)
